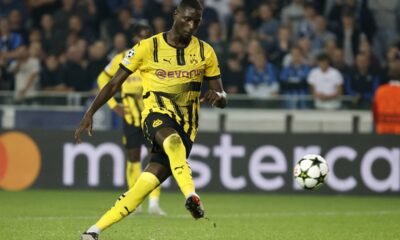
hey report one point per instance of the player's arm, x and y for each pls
(102, 80)
(129, 64)
(102, 97)
(105, 76)
(215, 95)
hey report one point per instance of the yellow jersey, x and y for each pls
(172, 77)
(131, 91)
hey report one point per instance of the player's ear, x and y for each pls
(175, 14)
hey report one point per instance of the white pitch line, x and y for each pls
(216, 216)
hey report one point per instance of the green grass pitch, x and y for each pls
(63, 215)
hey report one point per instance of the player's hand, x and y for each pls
(211, 97)
(85, 124)
(119, 110)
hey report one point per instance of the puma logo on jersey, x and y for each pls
(167, 60)
(157, 123)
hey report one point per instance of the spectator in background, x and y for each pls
(26, 71)
(61, 16)
(292, 14)
(244, 32)
(269, 27)
(76, 27)
(392, 55)
(123, 23)
(38, 8)
(74, 72)
(165, 9)
(338, 61)
(9, 41)
(50, 75)
(348, 38)
(306, 26)
(16, 23)
(159, 24)
(85, 9)
(210, 16)
(119, 45)
(326, 84)
(222, 8)
(362, 15)
(6, 6)
(238, 17)
(34, 35)
(261, 80)
(52, 39)
(364, 18)
(6, 79)
(36, 50)
(320, 35)
(276, 6)
(138, 11)
(293, 79)
(110, 8)
(282, 46)
(253, 48)
(361, 83)
(234, 74)
(329, 47)
(386, 14)
(305, 46)
(386, 111)
(237, 47)
(97, 59)
(215, 38)
(365, 48)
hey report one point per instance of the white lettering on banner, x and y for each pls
(257, 167)
(226, 151)
(199, 167)
(93, 155)
(268, 166)
(340, 152)
(392, 182)
(299, 152)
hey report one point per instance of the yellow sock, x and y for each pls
(155, 194)
(133, 171)
(128, 202)
(176, 151)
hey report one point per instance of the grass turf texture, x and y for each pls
(65, 214)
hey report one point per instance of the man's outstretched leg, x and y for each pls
(176, 152)
(126, 204)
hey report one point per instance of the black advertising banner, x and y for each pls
(248, 162)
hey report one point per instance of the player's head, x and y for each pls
(140, 32)
(187, 18)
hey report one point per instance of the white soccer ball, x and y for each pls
(311, 171)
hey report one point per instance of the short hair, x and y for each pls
(140, 27)
(323, 57)
(195, 4)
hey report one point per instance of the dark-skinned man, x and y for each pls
(172, 65)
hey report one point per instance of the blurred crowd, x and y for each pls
(323, 48)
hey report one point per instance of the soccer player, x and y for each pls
(172, 65)
(130, 110)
